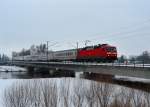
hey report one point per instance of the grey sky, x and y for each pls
(123, 23)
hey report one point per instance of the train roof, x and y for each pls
(96, 46)
(65, 50)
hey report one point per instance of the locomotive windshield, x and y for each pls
(111, 49)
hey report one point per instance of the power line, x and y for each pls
(129, 36)
(124, 33)
(135, 28)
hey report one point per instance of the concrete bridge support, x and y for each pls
(61, 73)
(30, 69)
(55, 72)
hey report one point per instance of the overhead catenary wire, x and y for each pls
(124, 32)
(127, 30)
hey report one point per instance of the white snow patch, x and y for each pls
(133, 79)
(11, 68)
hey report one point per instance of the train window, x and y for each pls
(69, 54)
(111, 49)
(103, 49)
(89, 48)
(96, 46)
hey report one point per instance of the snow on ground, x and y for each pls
(132, 79)
(11, 68)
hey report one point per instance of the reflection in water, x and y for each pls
(8, 72)
(145, 86)
(27, 75)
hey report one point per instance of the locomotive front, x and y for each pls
(111, 53)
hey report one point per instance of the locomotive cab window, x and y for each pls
(111, 49)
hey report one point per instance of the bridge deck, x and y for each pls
(132, 70)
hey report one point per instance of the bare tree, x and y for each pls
(103, 93)
(16, 96)
(137, 99)
(147, 99)
(89, 94)
(50, 94)
(33, 93)
(121, 98)
(144, 57)
(71, 92)
(65, 92)
(116, 102)
(77, 97)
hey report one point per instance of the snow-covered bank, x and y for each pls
(11, 68)
(132, 79)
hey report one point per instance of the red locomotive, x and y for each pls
(97, 53)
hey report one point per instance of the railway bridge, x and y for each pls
(131, 70)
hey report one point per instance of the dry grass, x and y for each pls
(72, 93)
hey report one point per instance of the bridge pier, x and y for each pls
(98, 76)
(37, 69)
(30, 69)
(61, 73)
(52, 72)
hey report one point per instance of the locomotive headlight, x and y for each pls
(108, 53)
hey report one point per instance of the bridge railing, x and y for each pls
(116, 63)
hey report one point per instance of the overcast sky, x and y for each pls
(123, 23)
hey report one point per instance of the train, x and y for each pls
(96, 53)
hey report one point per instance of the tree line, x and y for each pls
(3, 58)
(38, 49)
(144, 57)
